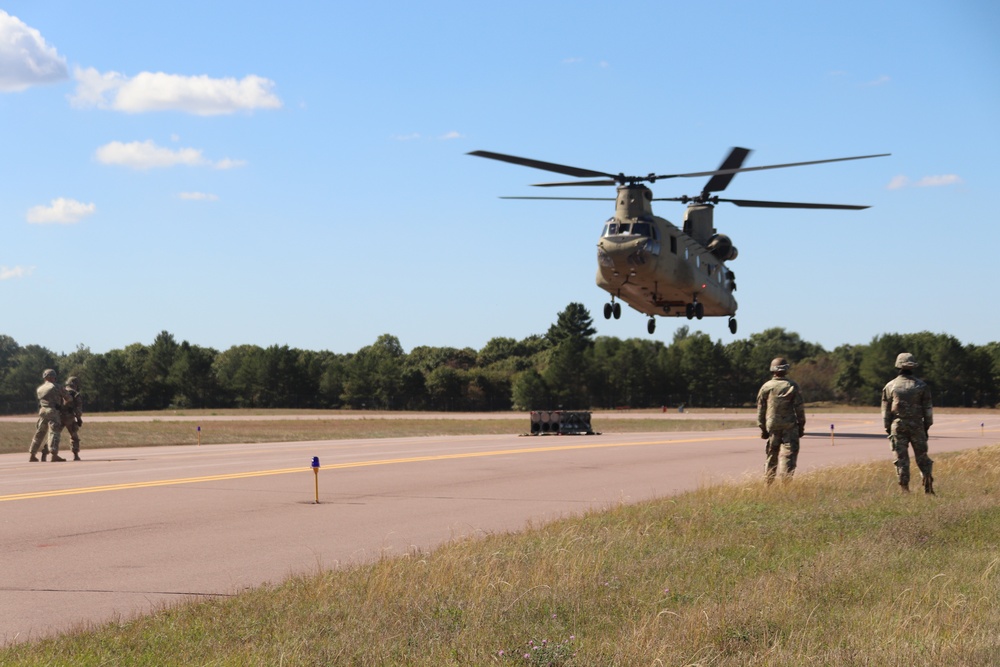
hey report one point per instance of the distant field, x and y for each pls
(168, 429)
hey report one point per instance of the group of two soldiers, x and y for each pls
(58, 407)
(907, 414)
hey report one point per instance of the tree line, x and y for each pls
(566, 368)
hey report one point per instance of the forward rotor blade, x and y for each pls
(559, 185)
(567, 198)
(788, 204)
(734, 160)
(722, 172)
(538, 164)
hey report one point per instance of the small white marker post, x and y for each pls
(315, 467)
(831, 435)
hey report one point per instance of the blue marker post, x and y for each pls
(315, 467)
(831, 435)
(199, 436)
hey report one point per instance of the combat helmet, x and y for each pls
(779, 365)
(73, 381)
(48, 373)
(906, 360)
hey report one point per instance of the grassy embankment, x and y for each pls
(836, 568)
(161, 430)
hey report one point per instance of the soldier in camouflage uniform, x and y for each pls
(908, 414)
(781, 417)
(72, 414)
(51, 398)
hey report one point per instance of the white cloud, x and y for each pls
(938, 181)
(157, 91)
(9, 273)
(880, 81)
(900, 182)
(147, 155)
(25, 59)
(198, 196)
(229, 163)
(447, 136)
(62, 211)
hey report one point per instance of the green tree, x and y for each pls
(192, 377)
(374, 375)
(530, 392)
(573, 323)
(23, 376)
(159, 358)
(445, 388)
(238, 371)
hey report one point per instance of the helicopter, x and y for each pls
(651, 264)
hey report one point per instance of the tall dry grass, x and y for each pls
(836, 568)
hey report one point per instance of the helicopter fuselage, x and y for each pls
(656, 267)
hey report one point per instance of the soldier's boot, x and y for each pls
(929, 484)
(45, 455)
(76, 456)
(33, 459)
(56, 457)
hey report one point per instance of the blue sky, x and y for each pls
(296, 173)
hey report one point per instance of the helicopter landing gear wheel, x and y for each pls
(689, 311)
(651, 325)
(616, 309)
(699, 310)
(607, 311)
(732, 325)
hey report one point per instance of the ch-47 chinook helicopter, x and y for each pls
(651, 264)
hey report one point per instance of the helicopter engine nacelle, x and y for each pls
(722, 248)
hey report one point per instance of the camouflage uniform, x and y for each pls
(72, 414)
(908, 414)
(781, 417)
(51, 398)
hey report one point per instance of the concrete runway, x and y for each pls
(129, 530)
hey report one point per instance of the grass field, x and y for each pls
(162, 430)
(836, 568)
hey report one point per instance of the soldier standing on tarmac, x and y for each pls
(72, 414)
(781, 417)
(908, 414)
(51, 398)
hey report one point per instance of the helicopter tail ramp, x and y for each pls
(560, 422)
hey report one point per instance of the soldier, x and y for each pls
(781, 417)
(72, 414)
(51, 398)
(908, 414)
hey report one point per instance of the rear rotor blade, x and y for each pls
(721, 172)
(788, 204)
(538, 164)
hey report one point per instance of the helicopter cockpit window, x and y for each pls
(673, 244)
(641, 229)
